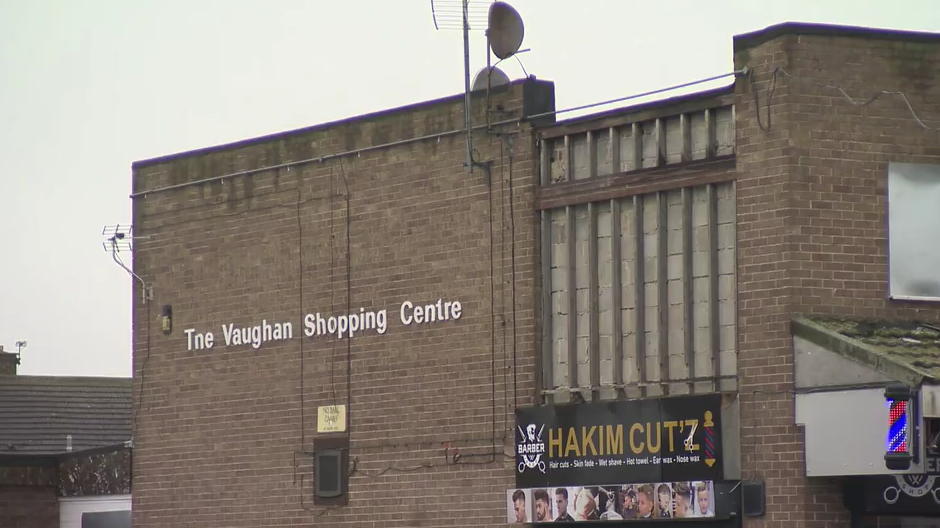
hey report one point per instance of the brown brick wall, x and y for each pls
(224, 430)
(220, 433)
(28, 507)
(841, 154)
(811, 227)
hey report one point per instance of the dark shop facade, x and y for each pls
(712, 310)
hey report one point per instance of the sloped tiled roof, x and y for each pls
(886, 346)
(38, 412)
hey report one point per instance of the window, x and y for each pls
(913, 225)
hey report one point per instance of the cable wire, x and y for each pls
(874, 97)
(360, 151)
(770, 96)
(300, 278)
(637, 96)
(349, 416)
(143, 365)
(332, 289)
(512, 260)
(852, 101)
(407, 141)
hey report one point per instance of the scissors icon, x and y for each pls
(689, 439)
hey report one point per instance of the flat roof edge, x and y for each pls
(450, 99)
(755, 38)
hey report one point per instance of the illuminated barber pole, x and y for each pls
(897, 426)
(899, 441)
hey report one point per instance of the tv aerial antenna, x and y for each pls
(20, 345)
(504, 33)
(120, 239)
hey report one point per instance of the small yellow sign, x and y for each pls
(331, 419)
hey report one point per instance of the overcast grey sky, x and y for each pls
(88, 87)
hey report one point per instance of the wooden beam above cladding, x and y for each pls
(636, 182)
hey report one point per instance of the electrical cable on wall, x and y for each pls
(512, 257)
(143, 368)
(486, 166)
(332, 289)
(300, 278)
(502, 269)
(376, 474)
(506, 358)
(349, 416)
(489, 191)
(507, 153)
(852, 101)
(365, 446)
(449, 458)
(348, 221)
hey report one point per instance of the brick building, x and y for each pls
(64, 448)
(351, 290)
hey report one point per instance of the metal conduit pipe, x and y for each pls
(321, 159)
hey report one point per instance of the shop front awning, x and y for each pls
(841, 368)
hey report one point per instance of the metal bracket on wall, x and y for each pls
(120, 238)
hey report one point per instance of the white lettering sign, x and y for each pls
(256, 335)
(342, 326)
(430, 313)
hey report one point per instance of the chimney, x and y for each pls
(8, 362)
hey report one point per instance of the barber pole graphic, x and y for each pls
(709, 439)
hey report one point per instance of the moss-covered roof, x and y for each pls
(905, 350)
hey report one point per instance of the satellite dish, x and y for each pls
(505, 30)
(496, 78)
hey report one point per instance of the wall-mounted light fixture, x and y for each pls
(166, 319)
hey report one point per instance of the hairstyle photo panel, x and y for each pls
(542, 510)
(561, 504)
(682, 500)
(519, 506)
(607, 503)
(664, 500)
(585, 504)
(626, 501)
(654, 500)
(704, 499)
(645, 501)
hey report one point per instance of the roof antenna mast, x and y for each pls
(120, 238)
(504, 32)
